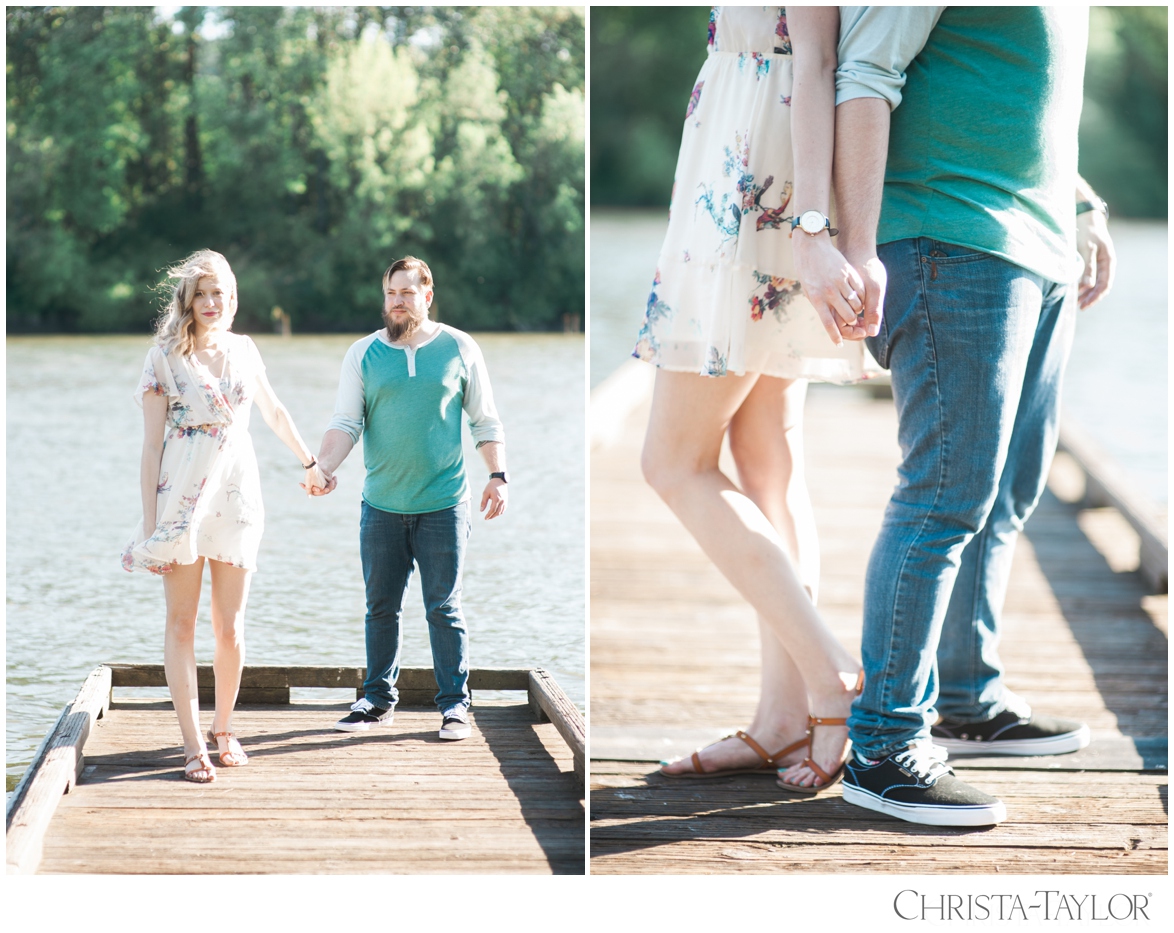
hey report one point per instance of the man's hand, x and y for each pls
(495, 495)
(320, 486)
(872, 273)
(1100, 260)
(832, 286)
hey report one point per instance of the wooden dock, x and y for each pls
(105, 792)
(674, 665)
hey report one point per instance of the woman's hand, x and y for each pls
(832, 285)
(315, 482)
(148, 530)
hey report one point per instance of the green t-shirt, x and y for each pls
(406, 404)
(983, 144)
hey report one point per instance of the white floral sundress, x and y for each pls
(725, 299)
(209, 495)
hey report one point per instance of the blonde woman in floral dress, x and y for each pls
(201, 492)
(736, 337)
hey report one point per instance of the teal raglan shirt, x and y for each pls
(407, 405)
(983, 137)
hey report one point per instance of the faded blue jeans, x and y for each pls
(977, 348)
(388, 543)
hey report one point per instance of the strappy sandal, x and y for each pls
(828, 779)
(769, 762)
(204, 763)
(229, 738)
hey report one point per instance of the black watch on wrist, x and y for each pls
(503, 476)
(1096, 204)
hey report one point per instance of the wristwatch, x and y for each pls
(812, 223)
(503, 476)
(1096, 204)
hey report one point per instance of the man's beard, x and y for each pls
(404, 329)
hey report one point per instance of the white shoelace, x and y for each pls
(926, 761)
(363, 706)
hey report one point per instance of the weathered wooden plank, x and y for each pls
(258, 677)
(548, 697)
(53, 772)
(1107, 484)
(688, 858)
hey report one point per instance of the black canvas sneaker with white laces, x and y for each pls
(916, 785)
(364, 715)
(456, 724)
(1012, 734)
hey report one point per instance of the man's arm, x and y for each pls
(877, 43)
(1096, 249)
(862, 146)
(346, 425)
(496, 491)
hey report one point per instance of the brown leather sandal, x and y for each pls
(769, 762)
(204, 764)
(228, 738)
(828, 779)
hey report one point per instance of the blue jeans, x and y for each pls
(388, 543)
(976, 347)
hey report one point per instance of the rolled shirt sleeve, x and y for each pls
(877, 43)
(484, 424)
(350, 406)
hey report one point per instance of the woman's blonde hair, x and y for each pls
(174, 329)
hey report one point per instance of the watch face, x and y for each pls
(812, 221)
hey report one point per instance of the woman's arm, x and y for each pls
(830, 282)
(154, 424)
(278, 418)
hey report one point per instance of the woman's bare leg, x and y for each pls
(690, 414)
(181, 589)
(230, 592)
(766, 439)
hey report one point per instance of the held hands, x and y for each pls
(847, 301)
(318, 482)
(495, 495)
(1100, 260)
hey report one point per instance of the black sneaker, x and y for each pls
(456, 724)
(917, 786)
(1011, 734)
(364, 715)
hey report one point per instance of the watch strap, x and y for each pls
(501, 476)
(1096, 204)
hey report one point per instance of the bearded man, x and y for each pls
(403, 389)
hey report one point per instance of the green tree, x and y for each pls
(1124, 127)
(644, 61)
(310, 145)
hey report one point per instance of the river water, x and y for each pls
(1117, 379)
(74, 438)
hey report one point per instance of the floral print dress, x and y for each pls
(209, 495)
(725, 298)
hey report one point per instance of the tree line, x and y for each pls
(644, 61)
(311, 146)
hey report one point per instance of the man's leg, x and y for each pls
(972, 691)
(958, 331)
(959, 326)
(439, 542)
(385, 547)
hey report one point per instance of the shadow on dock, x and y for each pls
(536, 780)
(1125, 649)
